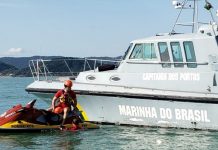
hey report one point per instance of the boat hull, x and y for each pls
(23, 126)
(152, 112)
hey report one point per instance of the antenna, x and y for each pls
(195, 17)
(184, 5)
(191, 4)
(208, 7)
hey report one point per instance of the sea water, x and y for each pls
(12, 92)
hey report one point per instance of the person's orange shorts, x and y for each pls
(63, 105)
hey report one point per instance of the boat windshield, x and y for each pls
(127, 51)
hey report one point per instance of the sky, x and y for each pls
(81, 28)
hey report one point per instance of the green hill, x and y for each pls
(23, 62)
(19, 66)
(6, 69)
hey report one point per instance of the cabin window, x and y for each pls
(145, 51)
(127, 51)
(190, 54)
(164, 54)
(149, 51)
(177, 54)
(137, 52)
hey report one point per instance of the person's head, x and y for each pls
(67, 85)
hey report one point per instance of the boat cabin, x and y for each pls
(167, 52)
(164, 62)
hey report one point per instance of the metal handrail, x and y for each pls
(43, 69)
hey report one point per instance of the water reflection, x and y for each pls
(52, 140)
(119, 137)
(113, 137)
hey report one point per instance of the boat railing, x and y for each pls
(59, 68)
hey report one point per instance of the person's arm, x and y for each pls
(74, 99)
(75, 103)
(53, 102)
(56, 96)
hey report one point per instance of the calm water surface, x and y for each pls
(12, 91)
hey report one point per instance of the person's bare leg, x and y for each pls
(65, 115)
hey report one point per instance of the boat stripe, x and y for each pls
(138, 96)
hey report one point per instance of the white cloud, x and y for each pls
(13, 52)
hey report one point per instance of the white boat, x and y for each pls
(168, 80)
